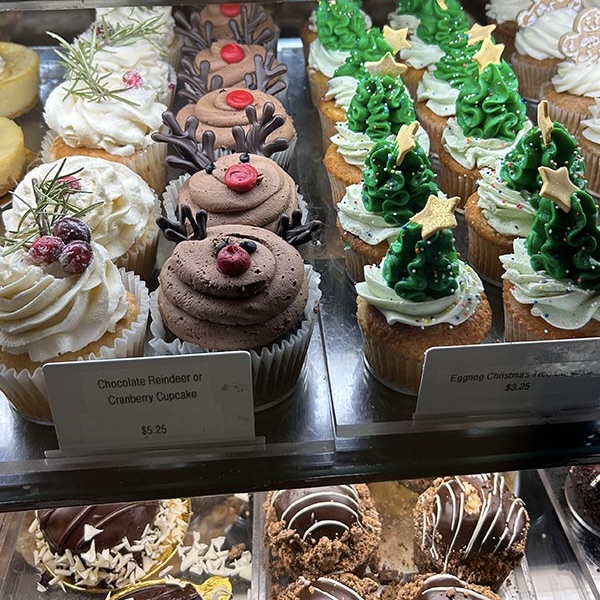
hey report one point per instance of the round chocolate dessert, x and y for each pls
(338, 587)
(438, 587)
(584, 497)
(472, 526)
(317, 531)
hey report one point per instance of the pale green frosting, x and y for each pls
(369, 226)
(440, 96)
(323, 60)
(476, 152)
(558, 301)
(420, 55)
(507, 211)
(454, 309)
(341, 90)
(398, 20)
(592, 126)
(578, 79)
(355, 146)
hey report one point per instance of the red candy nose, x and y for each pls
(232, 53)
(239, 98)
(233, 260)
(241, 177)
(230, 9)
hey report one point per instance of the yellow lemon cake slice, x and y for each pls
(19, 79)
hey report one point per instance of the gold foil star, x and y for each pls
(489, 53)
(405, 140)
(557, 186)
(386, 66)
(544, 121)
(396, 38)
(478, 33)
(442, 4)
(437, 214)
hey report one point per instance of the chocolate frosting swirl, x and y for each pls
(327, 589)
(64, 528)
(443, 587)
(318, 512)
(201, 305)
(272, 196)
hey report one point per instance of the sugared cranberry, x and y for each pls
(46, 249)
(241, 177)
(233, 260)
(70, 229)
(232, 53)
(230, 9)
(76, 256)
(72, 183)
(239, 98)
(132, 79)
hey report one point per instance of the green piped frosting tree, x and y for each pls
(457, 65)
(369, 48)
(340, 24)
(489, 106)
(397, 191)
(380, 107)
(438, 25)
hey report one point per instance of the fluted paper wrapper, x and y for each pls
(514, 331)
(355, 265)
(592, 170)
(456, 185)
(328, 130)
(275, 367)
(338, 188)
(532, 75)
(26, 391)
(484, 257)
(318, 85)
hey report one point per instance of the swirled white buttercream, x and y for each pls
(540, 40)
(578, 79)
(45, 312)
(420, 55)
(454, 309)
(323, 60)
(126, 206)
(125, 16)
(113, 125)
(557, 301)
(591, 127)
(369, 226)
(507, 211)
(398, 20)
(439, 95)
(354, 146)
(505, 10)
(473, 152)
(341, 90)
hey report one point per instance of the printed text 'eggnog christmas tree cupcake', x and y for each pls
(397, 181)
(576, 85)
(552, 282)
(420, 296)
(490, 118)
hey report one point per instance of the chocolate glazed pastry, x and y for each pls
(337, 587)
(472, 526)
(438, 587)
(322, 530)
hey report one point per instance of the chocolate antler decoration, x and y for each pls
(248, 28)
(190, 155)
(197, 83)
(178, 231)
(292, 230)
(196, 37)
(254, 140)
(267, 75)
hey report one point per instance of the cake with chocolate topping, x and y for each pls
(585, 484)
(438, 587)
(472, 526)
(318, 531)
(107, 546)
(336, 587)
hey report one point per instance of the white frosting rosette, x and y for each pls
(421, 55)
(341, 90)
(505, 10)
(439, 96)
(579, 79)
(591, 127)
(398, 20)
(324, 60)
(558, 301)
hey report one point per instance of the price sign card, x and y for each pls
(542, 378)
(155, 402)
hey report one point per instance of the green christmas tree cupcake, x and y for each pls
(397, 181)
(552, 281)
(490, 118)
(420, 296)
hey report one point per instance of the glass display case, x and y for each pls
(339, 424)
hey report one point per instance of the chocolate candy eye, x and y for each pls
(249, 246)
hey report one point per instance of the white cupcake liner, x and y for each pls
(276, 367)
(150, 163)
(26, 390)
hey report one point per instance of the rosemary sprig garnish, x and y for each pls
(52, 203)
(124, 35)
(86, 79)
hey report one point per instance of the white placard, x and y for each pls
(154, 402)
(542, 378)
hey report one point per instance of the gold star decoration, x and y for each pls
(437, 214)
(478, 33)
(489, 53)
(386, 66)
(405, 140)
(442, 4)
(557, 186)
(544, 121)
(396, 38)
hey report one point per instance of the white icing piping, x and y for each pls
(337, 584)
(320, 524)
(311, 497)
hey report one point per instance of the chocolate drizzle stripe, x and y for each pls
(321, 524)
(310, 497)
(336, 584)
